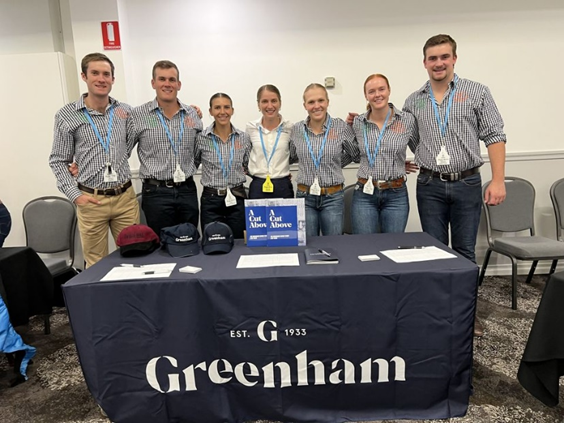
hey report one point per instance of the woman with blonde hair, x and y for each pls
(323, 146)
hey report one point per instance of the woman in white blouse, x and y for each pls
(269, 164)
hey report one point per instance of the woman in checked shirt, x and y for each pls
(223, 151)
(380, 202)
(323, 146)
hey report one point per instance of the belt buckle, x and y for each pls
(169, 184)
(117, 191)
(221, 192)
(379, 184)
(445, 178)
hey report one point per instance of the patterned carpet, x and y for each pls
(56, 392)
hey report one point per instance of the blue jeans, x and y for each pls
(457, 204)
(324, 213)
(5, 223)
(165, 206)
(384, 211)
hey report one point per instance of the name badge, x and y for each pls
(268, 186)
(315, 189)
(230, 199)
(443, 158)
(368, 186)
(179, 176)
(109, 174)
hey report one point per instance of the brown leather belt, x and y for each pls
(324, 190)
(381, 185)
(450, 177)
(238, 191)
(168, 184)
(108, 191)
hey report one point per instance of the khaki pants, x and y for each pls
(114, 212)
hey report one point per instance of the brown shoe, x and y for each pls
(478, 328)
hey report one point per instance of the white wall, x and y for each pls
(25, 27)
(27, 128)
(513, 46)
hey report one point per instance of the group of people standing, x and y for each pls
(442, 123)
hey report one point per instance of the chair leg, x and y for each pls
(553, 267)
(47, 322)
(532, 271)
(513, 284)
(484, 265)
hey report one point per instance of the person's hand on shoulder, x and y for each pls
(350, 117)
(198, 110)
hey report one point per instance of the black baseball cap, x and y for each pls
(181, 240)
(217, 238)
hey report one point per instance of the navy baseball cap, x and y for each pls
(137, 240)
(181, 240)
(217, 238)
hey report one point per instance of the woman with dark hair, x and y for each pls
(223, 151)
(269, 163)
(323, 146)
(5, 223)
(380, 202)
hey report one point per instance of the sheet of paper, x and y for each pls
(147, 271)
(411, 255)
(268, 260)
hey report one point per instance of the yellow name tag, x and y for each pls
(267, 186)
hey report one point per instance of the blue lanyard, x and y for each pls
(268, 159)
(317, 160)
(168, 134)
(442, 125)
(225, 171)
(105, 144)
(372, 158)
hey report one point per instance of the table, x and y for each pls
(542, 364)
(27, 283)
(325, 343)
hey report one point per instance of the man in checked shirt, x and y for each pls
(92, 131)
(453, 114)
(165, 130)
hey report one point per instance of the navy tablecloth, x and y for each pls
(320, 343)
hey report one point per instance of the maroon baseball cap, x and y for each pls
(137, 240)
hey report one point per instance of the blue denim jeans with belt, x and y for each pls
(324, 213)
(5, 223)
(457, 205)
(385, 211)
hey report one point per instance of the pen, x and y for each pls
(325, 253)
(411, 247)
